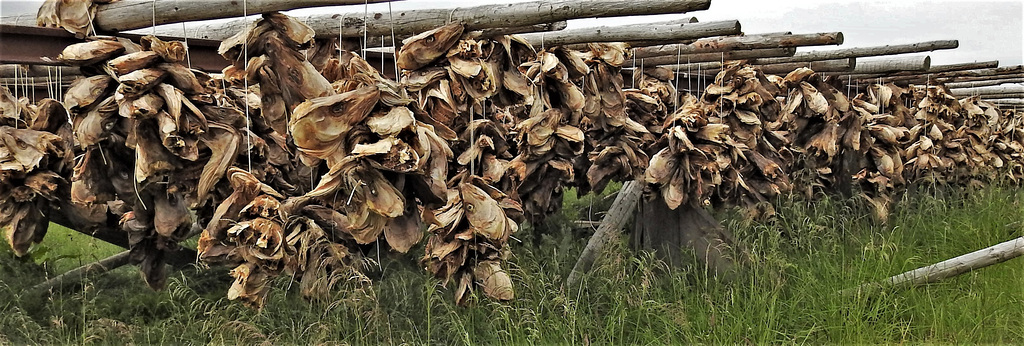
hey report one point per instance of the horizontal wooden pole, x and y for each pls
(411, 22)
(931, 70)
(1000, 96)
(1008, 102)
(893, 64)
(981, 83)
(672, 62)
(16, 71)
(135, 14)
(668, 32)
(956, 75)
(1003, 89)
(818, 66)
(746, 42)
(860, 52)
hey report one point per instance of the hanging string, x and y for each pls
(394, 41)
(245, 82)
(632, 51)
(366, 12)
(184, 33)
(689, 78)
(152, 29)
(679, 50)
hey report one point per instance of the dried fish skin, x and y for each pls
(419, 50)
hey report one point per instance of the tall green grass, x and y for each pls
(788, 294)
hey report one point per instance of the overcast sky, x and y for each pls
(987, 30)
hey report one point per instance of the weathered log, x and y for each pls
(668, 33)
(78, 274)
(892, 64)
(671, 62)
(747, 42)
(1001, 96)
(18, 71)
(931, 70)
(837, 65)
(621, 210)
(996, 75)
(981, 83)
(949, 268)
(375, 24)
(384, 44)
(959, 76)
(992, 90)
(1008, 102)
(134, 14)
(584, 46)
(860, 52)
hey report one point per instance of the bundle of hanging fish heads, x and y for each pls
(35, 158)
(152, 140)
(75, 16)
(472, 93)
(875, 136)
(615, 137)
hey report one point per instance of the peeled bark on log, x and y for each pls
(1002, 96)
(21, 71)
(1008, 102)
(748, 42)
(996, 75)
(78, 274)
(671, 61)
(475, 18)
(614, 220)
(982, 83)
(932, 70)
(860, 52)
(892, 64)
(838, 65)
(1003, 89)
(949, 268)
(958, 76)
(672, 234)
(135, 14)
(636, 32)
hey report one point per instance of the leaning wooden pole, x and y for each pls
(78, 274)
(948, 268)
(893, 64)
(411, 22)
(619, 213)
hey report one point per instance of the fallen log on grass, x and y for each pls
(999, 253)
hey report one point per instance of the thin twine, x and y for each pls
(184, 33)
(679, 50)
(366, 12)
(394, 41)
(689, 78)
(245, 81)
(632, 82)
(152, 29)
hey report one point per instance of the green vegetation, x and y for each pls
(788, 295)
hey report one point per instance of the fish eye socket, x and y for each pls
(430, 38)
(338, 108)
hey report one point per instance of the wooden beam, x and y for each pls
(949, 268)
(818, 66)
(860, 52)
(981, 83)
(963, 66)
(411, 22)
(1008, 102)
(135, 14)
(1003, 89)
(670, 61)
(892, 64)
(747, 42)
(386, 42)
(1001, 96)
(956, 75)
(669, 32)
(16, 71)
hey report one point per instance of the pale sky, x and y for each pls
(987, 30)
